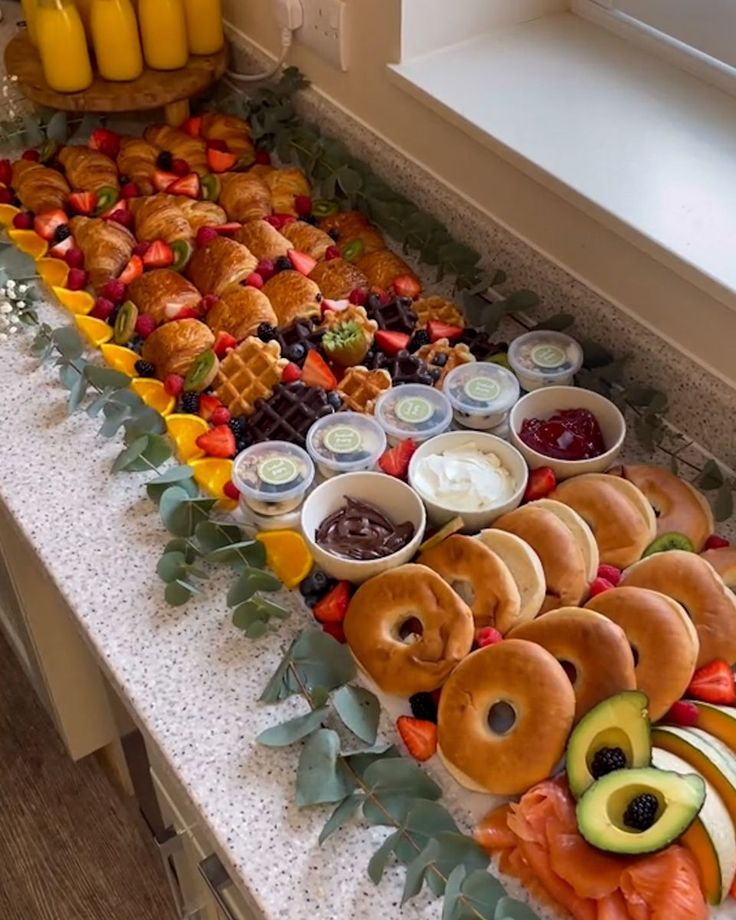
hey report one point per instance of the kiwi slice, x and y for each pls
(125, 323)
(323, 207)
(668, 541)
(501, 358)
(202, 372)
(245, 161)
(353, 251)
(106, 198)
(451, 527)
(48, 150)
(210, 187)
(182, 250)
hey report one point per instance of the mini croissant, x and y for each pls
(234, 131)
(381, 268)
(285, 185)
(244, 197)
(162, 293)
(292, 295)
(183, 147)
(240, 311)
(137, 161)
(39, 188)
(348, 226)
(221, 263)
(309, 239)
(107, 247)
(174, 347)
(88, 170)
(263, 240)
(337, 278)
(173, 217)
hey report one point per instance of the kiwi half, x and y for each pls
(323, 207)
(125, 323)
(48, 151)
(210, 187)
(451, 527)
(106, 198)
(182, 250)
(202, 372)
(353, 251)
(667, 541)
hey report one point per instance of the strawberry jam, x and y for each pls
(570, 434)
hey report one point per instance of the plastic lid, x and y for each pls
(413, 411)
(273, 471)
(545, 355)
(346, 441)
(481, 389)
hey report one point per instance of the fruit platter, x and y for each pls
(551, 628)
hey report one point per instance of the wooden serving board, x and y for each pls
(154, 89)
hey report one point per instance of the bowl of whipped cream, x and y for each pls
(470, 474)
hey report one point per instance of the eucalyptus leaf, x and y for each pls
(595, 355)
(57, 128)
(416, 870)
(293, 730)
(213, 536)
(645, 433)
(614, 372)
(144, 419)
(114, 419)
(452, 892)
(319, 696)
(280, 685)
(521, 300)
(68, 342)
(173, 508)
(87, 125)
(321, 660)
(257, 610)
(77, 392)
(251, 581)
(130, 454)
(723, 504)
(42, 341)
(559, 322)
(455, 849)
(182, 545)
(341, 815)
(106, 378)
(16, 264)
(509, 909)
(240, 556)
(179, 592)
(320, 778)
(183, 476)
(359, 761)
(172, 566)
(32, 133)
(256, 629)
(349, 181)
(711, 477)
(389, 777)
(156, 452)
(359, 710)
(379, 860)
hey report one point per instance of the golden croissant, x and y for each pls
(263, 240)
(347, 226)
(381, 268)
(244, 197)
(39, 188)
(285, 185)
(234, 131)
(107, 247)
(88, 170)
(292, 295)
(309, 239)
(174, 347)
(221, 263)
(162, 293)
(173, 217)
(337, 278)
(137, 161)
(181, 146)
(240, 311)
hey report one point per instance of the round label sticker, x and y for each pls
(278, 471)
(414, 410)
(342, 439)
(483, 389)
(549, 356)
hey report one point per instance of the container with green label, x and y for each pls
(413, 411)
(544, 358)
(273, 477)
(345, 442)
(481, 394)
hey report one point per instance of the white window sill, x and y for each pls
(643, 147)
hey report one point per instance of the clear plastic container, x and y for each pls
(545, 358)
(413, 411)
(481, 394)
(273, 477)
(345, 442)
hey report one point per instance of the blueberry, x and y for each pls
(435, 373)
(296, 352)
(165, 161)
(320, 581)
(62, 232)
(418, 340)
(266, 332)
(439, 360)
(124, 180)
(334, 233)
(333, 398)
(283, 264)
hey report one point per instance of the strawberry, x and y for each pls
(103, 308)
(6, 195)
(62, 249)
(332, 252)
(33, 156)
(716, 542)
(192, 126)
(6, 172)
(301, 261)
(542, 481)
(231, 490)
(216, 143)
(83, 202)
(391, 342)
(266, 269)
(407, 286)
(132, 271)
(598, 586)
(122, 216)
(334, 605)
(176, 312)
(23, 221)
(140, 249)
(207, 405)
(683, 713)
(114, 291)
(336, 631)
(145, 324)
(713, 683)
(227, 229)
(395, 461)
(162, 180)
(487, 635)
(279, 221)
(207, 303)
(219, 161)
(221, 415)
(129, 190)
(45, 224)
(358, 297)
(303, 205)
(291, 373)
(223, 343)
(158, 255)
(438, 330)
(263, 158)
(174, 384)
(317, 372)
(187, 185)
(254, 280)
(218, 442)
(74, 258)
(180, 167)
(205, 235)
(76, 279)
(419, 736)
(106, 141)
(610, 573)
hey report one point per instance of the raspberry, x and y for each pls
(145, 324)
(174, 384)
(32, 155)
(303, 205)
(205, 235)
(359, 296)
(74, 258)
(129, 190)
(291, 373)
(254, 280)
(266, 269)
(114, 291)
(610, 574)
(220, 416)
(76, 279)
(23, 221)
(598, 586)
(332, 252)
(716, 542)
(140, 249)
(103, 308)
(486, 636)
(123, 217)
(684, 713)
(180, 167)
(208, 302)
(231, 491)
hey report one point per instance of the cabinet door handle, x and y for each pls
(168, 848)
(217, 879)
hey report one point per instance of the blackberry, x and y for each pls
(418, 340)
(333, 398)
(641, 812)
(165, 161)
(266, 332)
(606, 760)
(296, 352)
(190, 402)
(145, 369)
(62, 232)
(439, 360)
(123, 180)
(423, 707)
(283, 264)
(334, 233)
(238, 425)
(309, 219)
(242, 442)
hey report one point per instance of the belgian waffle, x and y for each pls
(289, 413)
(334, 318)
(480, 344)
(360, 387)
(248, 373)
(439, 310)
(444, 356)
(396, 316)
(300, 332)
(403, 368)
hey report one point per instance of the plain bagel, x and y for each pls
(724, 562)
(525, 568)
(579, 529)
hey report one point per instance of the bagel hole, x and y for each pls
(501, 718)
(635, 653)
(465, 590)
(411, 630)
(569, 668)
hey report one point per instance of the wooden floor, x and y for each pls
(70, 847)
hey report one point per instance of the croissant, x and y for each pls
(381, 268)
(221, 263)
(347, 226)
(263, 240)
(285, 185)
(292, 295)
(191, 149)
(173, 217)
(88, 170)
(107, 247)
(309, 239)
(244, 196)
(261, 170)
(234, 131)
(137, 161)
(162, 293)
(39, 188)
(240, 311)
(174, 347)
(337, 278)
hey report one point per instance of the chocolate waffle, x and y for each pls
(480, 344)
(300, 332)
(289, 413)
(446, 357)
(360, 387)
(395, 316)
(248, 373)
(406, 368)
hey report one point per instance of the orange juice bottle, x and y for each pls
(29, 14)
(62, 45)
(204, 26)
(164, 33)
(115, 38)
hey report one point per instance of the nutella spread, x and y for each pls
(360, 531)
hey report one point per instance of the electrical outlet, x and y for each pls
(324, 30)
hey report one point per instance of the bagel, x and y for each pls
(529, 680)
(678, 506)
(565, 571)
(525, 568)
(693, 582)
(662, 637)
(724, 562)
(479, 577)
(619, 515)
(379, 609)
(579, 529)
(593, 649)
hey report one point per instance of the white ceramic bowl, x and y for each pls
(510, 457)
(544, 402)
(393, 497)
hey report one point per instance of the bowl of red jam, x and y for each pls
(569, 429)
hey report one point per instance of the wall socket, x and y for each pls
(324, 30)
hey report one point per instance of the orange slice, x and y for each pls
(184, 430)
(96, 331)
(211, 474)
(30, 242)
(287, 555)
(7, 214)
(120, 359)
(53, 271)
(75, 301)
(153, 393)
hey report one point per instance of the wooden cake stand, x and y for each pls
(154, 89)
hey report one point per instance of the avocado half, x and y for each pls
(622, 721)
(601, 810)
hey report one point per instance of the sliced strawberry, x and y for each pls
(158, 255)
(83, 202)
(218, 442)
(187, 186)
(162, 180)
(391, 342)
(174, 311)
(317, 372)
(226, 229)
(224, 343)
(487, 635)
(713, 683)
(219, 161)
(280, 220)
(116, 207)
(231, 490)
(291, 373)
(395, 461)
(419, 736)
(174, 384)
(132, 271)
(716, 542)
(684, 713)
(598, 586)
(610, 573)
(61, 250)
(207, 405)
(438, 330)
(124, 217)
(217, 143)
(407, 286)
(106, 141)
(336, 631)
(207, 303)
(331, 253)
(192, 126)
(45, 224)
(334, 605)
(180, 167)
(301, 261)
(542, 481)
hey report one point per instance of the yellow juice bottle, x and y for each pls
(62, 45)
(29, 14)
(204, 26)
(115, 38)
(164, 33)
